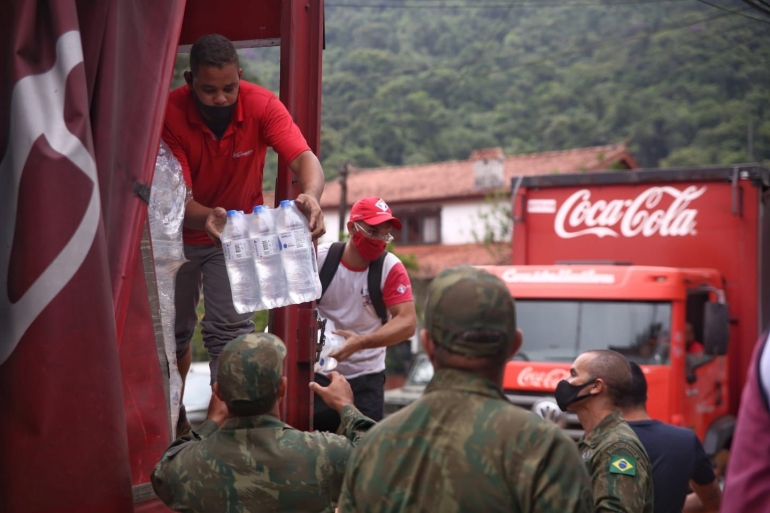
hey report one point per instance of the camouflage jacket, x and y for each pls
(463, 447)
(619, 466)
(257, 464)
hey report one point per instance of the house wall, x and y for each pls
(460, 220)
(463, 222)
(331, 220)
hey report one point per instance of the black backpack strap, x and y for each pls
(329, 269)
(374, 279)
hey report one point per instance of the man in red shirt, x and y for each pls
(219, 128)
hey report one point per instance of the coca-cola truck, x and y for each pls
(655, 264)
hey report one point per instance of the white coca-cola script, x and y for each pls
(629, 217)
(529, 377)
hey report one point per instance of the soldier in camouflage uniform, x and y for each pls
(254, 462)
(462, 446)
(620, 469)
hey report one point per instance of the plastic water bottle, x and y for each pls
(240, 263)
(333, 342)
(297, 254)
(267, 259)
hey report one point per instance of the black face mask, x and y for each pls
(567, 393)
(213, 113)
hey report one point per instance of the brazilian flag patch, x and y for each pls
(623, 465)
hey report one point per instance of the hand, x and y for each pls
(337, 395)
(215, 224)
(351, 346)
(315, 216)
(218, 411)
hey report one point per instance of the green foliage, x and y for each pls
(495, 217)
(681, 81)
(408, 259)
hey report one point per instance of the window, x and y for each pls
(420, 226)
(559, 330)
(693, 330)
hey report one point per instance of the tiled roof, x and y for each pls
(455, 179)
(488, 154)
(434, 258)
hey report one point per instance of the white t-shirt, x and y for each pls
(347, 304)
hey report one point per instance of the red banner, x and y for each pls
(82, 95)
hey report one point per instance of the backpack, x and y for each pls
(329, 269)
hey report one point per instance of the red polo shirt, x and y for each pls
(228, 172)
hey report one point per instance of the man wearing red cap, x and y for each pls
(347, 304)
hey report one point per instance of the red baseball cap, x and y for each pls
(373, 211)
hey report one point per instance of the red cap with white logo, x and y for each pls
(373, 211)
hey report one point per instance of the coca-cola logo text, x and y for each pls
(634, 216)
(529, 377)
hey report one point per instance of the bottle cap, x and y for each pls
(286, 203)
(231, 213)
(258, 208)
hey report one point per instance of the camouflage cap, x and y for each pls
(250, 368)
(463, 300)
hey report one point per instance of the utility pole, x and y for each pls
(343, 208)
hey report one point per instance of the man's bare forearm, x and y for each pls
(706, 498)
(398, 329)
(195, 215)
(309, 174)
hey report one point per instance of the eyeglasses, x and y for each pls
(387, 237)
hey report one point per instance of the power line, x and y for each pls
(546, 58)
(731, 11)
(759, 5)
(607, 42)
(480, 53)
(525, 4)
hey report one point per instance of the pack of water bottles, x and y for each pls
(270, 258)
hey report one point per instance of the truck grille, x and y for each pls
(527, 400)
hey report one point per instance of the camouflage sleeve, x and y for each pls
(554, 476)
(163, 475)
(355, 423)
(621, 476)
(339, 448)
(347, 501)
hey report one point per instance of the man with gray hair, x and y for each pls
(462, 446)
(252, 461)
(615, 458)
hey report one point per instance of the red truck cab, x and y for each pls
(642, 262)
(639, 311)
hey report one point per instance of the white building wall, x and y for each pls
(460, 220)
(332, 222)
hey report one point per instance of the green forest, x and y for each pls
(415, 81)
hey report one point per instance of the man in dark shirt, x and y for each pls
(677, 456)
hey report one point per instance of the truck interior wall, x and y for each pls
(146, 413)
(248, 23)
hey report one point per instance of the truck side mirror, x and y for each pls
(716, 328)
